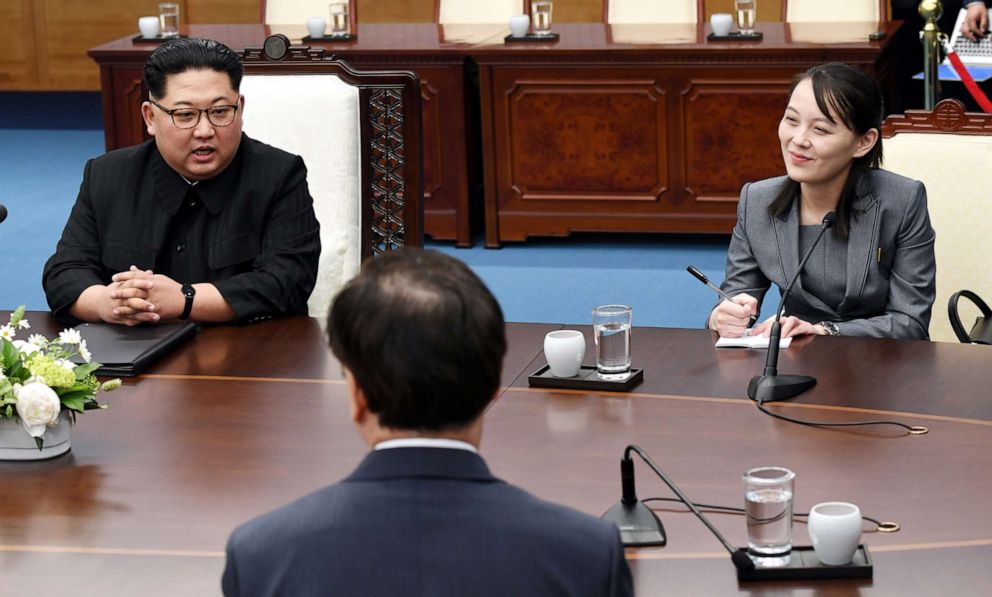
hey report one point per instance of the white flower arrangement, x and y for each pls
(38, 378)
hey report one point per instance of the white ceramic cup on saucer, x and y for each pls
(564, 350)
(519, 24)
(149, 27)
(835, 531)
(721, 22)
(316, 26)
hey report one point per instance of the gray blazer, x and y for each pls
(891, 269)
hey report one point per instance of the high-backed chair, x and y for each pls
(652, 11)
(360, 136)
(833, 11)
(296, 12)
(950, 151)
(477, 11)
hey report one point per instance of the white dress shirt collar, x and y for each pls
(425, 442)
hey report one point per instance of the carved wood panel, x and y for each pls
(570, 139)
(731, 135)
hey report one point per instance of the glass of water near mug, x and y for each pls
(611, 331)
(168, 18)
(340, 27)
(768, 506)
(540, 13)
(746, 10)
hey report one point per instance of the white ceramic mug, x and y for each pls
(564, 350)
(721, 23)
(149, 27)
(317, 26)
(519, 24)
(835, 531)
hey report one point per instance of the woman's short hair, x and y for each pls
(423, 337)
(856, 99)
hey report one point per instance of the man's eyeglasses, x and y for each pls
(187, 118)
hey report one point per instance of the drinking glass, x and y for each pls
(168, 18)
(611, 332)
(339, 19)
(745, 15)
(768, 503)
(540, 13)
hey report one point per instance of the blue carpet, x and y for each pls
(46, 138)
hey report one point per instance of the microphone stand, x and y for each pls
(770, 386)
(639, 525)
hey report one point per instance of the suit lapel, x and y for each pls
(860, 247)
(787, 235)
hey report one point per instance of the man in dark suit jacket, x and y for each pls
(202, 223)
(422, 342)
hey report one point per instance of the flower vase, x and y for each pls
(16, 444)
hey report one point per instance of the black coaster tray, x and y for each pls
(585, 380)
(530, 38)
(140, 39)
(735, 36)
(803, 565)
(332, 39)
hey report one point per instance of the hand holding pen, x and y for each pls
(734, 316)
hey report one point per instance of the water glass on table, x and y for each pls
(611, 331)
(746, 10)
(340, 27)
(168, 18)
(768, 506)
(540, 13)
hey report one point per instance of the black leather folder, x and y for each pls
(127, 351)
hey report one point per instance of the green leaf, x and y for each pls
(40, 442)
(84, 370)
(76, 403)
(17, 316)
(10, 411)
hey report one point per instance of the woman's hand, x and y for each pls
(791, 326)
(731, 318)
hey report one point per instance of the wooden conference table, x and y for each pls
(243, 420)
(624, 128)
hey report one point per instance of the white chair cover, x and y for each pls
(652, 11)
(956, 172)
(832, 11)
(479, 11)
(318, 118)
(295, 12)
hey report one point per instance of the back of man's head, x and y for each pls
(423, 337)
(190, 53)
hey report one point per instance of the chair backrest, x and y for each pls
(652, 11)
(834, 11)
(359, 134)
(477, 11)
(296, 12)
(950, 151)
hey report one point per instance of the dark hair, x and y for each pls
(423, 337)
(190, 53)
(857, 100)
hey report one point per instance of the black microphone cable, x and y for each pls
(910, 429)
(880, 526)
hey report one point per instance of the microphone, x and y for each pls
(770, 386)
(3, 213)
(639, 525)
(739, 557)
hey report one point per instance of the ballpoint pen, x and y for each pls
(702, 278)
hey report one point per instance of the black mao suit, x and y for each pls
(250, 230)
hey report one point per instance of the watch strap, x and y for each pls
(188, 292)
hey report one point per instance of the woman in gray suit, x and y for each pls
(873, 274)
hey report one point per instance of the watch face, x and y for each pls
(276, 46)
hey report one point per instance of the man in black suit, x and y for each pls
(202, 223)
(422, 342)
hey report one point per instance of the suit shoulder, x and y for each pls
(273, 157)
(760, 194)
(885, 182)
(123, 158)
(560, 519)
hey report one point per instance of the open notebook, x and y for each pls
(758, 341)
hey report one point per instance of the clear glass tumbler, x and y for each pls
(746, 10)
(168, 19)
(611, 332)
(768, 504)
(540, 17)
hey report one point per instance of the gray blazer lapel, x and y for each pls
(860, 248)
(787, 235)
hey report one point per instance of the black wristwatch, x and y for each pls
(830, 327)
(189, 292)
